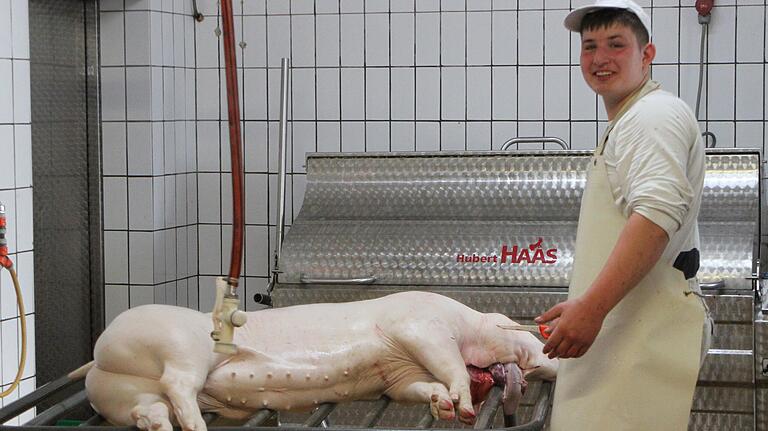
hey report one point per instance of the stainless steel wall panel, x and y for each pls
(731, 186)
(727, 252)
(66, 176)
(286, 296)
(521, 306)
(396, 415)
(728, 367)
(761, 409)
(728, 399)
(733, 336)
(731, 308)
(701, 421)
(761, 350)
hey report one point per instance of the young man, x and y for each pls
(634, 321)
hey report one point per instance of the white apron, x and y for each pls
(641, 371)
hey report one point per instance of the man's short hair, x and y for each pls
(604, 18)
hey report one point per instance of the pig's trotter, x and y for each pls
(153, 417)
(434, 393)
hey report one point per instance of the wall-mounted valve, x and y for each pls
(226, 317)
(7, 263)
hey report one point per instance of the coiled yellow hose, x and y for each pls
(23, 319)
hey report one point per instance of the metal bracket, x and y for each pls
(199, 17)
(717, 284)
(361, 280)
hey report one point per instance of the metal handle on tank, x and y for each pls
(719, 284)
(363, 280)
(706, 135)
(543, 140)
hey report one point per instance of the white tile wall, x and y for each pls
(379, 75)
(151, 82)
(16, 195)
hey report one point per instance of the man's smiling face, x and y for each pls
(613, 63)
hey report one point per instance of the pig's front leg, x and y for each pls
(436, 350)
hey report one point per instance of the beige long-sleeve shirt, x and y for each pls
(655, 162)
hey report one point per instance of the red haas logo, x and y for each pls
(534, 253)
(518, 255)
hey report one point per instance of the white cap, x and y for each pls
(573, 20)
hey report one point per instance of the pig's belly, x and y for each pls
(300, 374)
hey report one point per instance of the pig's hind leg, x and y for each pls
(434, 393)
(181, 386)
(436, 350)
(128, 400)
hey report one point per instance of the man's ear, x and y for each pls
(649, 53)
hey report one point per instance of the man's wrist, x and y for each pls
(596, 303)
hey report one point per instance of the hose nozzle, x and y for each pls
(226, 317)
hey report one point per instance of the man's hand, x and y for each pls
(573, 327)
(574, 324)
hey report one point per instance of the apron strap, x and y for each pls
(647, 87)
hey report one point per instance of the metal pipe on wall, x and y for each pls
(281, 156)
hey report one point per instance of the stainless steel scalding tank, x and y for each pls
(496, 230)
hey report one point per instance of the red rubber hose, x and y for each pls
(230, 63)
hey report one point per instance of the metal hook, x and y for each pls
(709, 135)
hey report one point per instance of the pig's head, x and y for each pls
(543, 369)
(533, 363)
(518, 347)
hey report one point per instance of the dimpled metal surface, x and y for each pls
(762, 409)
(407, 218)
(731, 399)
(437, 187)
(716, 421)
(728, 366)
(761, 352)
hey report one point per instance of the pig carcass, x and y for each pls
(154, 365)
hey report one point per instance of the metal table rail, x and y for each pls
(46, 420)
